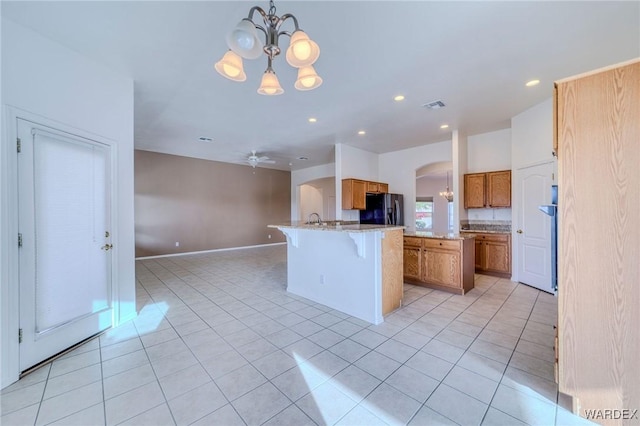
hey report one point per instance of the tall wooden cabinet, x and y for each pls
(487, 190)
(598, 145)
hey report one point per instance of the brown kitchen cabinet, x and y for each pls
(412, 259)
(377, 188)
(354, 192)
(439, 263)
(493, 254)
(487, 190)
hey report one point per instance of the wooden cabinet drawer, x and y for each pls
(372, 187)
(430, 243)
(503, 238)
(413, 241)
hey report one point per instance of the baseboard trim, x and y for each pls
(208, 251)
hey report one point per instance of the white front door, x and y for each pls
(65, 253)
(533, 228)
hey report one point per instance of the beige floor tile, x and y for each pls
(59, 406)
(240, 382)
(391, 405)
(299, 381)
(360, 416)
(93, 415)
(123, 363)
(427, 416)
(226, 416)
(66, 365)
(172, 363)
(128, 380)
(472, 384)
(443, 350)
(430, 365)
(486, 367)
(21, 397)
(397, 351)
(183, 381)
(412, 383)
(354, 382)
(524, 407)
(23, 416)
(377, 365)
(457, 406)
(349, 350)
(261, 404)
(326, 404)
(498, 418)
(75, 379)
(196, 404)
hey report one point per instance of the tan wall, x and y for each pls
(205, 205)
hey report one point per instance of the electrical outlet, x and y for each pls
(321, 278)
(177, 243)
(269, 236)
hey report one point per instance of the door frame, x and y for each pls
(9, 215)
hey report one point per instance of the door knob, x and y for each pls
(107, 247)
(519, 231)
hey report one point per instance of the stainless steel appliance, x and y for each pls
(383, 209)
(552, 210)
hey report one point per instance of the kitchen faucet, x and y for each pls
(317, 215)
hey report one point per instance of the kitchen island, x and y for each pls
(440, 261)
(355, 269)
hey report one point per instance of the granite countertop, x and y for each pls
(335, 227)
(439, 235)
(483, 231)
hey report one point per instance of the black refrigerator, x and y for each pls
(383, 209)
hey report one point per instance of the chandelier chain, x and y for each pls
(272, 8)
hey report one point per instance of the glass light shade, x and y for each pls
(302, 51)
(230, 66)
(307, 79)
(270, 84)
(244, 40)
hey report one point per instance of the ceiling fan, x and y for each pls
(254, 160)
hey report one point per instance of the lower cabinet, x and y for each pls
(439, 263)
(493, 254)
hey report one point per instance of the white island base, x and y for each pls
(355, 269)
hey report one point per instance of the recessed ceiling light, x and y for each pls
(205, 139)
(361, 132)
(532, 83)
(303, 158)
(313, 120)
(444, 126)
(399, 98)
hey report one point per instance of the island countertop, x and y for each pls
(335, 227)
(439, 235)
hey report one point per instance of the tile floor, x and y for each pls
(218, 341)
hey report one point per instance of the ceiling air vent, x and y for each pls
(434, 105)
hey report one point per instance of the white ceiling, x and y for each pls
(474, 56)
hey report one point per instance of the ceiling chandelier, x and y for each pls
(447, 194)
(243, 42)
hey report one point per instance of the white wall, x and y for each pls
(430, 186)
(41, 78)
(532, 144)
(398, 169)
(300, 177)
(532, 136)
(353, 163)
(318, 196)
(459, 148)
(489, 152)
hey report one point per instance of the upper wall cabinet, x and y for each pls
(487, 190)
(354, 192)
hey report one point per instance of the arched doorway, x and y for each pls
(433, 211)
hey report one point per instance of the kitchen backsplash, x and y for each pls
(486, 225)
(489, 214)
